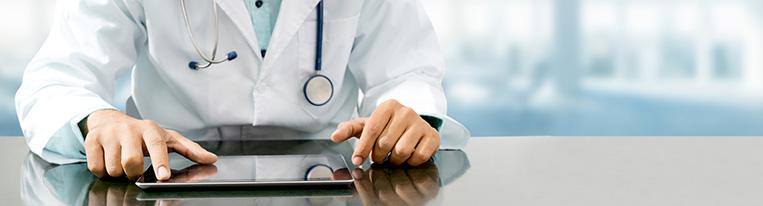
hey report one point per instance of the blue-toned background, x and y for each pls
(551, 67)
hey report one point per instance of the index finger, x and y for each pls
(154, 139)
(373, 128)
(189, 149)
(348, 129)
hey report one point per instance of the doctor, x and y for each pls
(198, 64)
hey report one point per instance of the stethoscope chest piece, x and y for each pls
(318, 90)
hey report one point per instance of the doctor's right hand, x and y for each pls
(115, 144)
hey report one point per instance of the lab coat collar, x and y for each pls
(290, 18)
(236, 11)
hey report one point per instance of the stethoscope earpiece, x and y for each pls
(193, 65)
(232, 55)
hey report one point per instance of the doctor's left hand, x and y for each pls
(392, 130)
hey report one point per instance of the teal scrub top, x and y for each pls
(263, 14)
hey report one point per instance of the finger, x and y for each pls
(112, 156)
(390, 135)
(132, 158)
(427, 173)
(190, 149)
(155, 141)
(364, 187)
(348, 129)
(97, 193)
(341, 174)
(373, 128)
(115, 195)
(196, 173)
(384, 188)
(425, 149)
(169, 202)
(380, 180)
(131, 193)
(404, 187)
(94, 153)
(405, 146)
(426, 181)
(203, 172)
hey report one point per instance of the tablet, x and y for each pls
(255, 171)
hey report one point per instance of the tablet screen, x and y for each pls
(257, 168)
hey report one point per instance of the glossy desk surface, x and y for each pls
(491, 170)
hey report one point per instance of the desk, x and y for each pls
(510, 171)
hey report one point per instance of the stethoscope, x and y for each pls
(318, 89)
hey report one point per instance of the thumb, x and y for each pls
(190, 149)
(348, 129)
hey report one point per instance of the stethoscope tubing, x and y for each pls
(319, 38)
(209, 60)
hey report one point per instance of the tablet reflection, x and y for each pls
(73, 184)
(194, 173)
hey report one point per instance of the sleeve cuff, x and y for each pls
(435, 122)
(67, 144)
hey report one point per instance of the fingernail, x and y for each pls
(164, 173)
(357, 160)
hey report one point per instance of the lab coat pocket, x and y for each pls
(338, 38)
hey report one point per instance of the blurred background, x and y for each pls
(549, 67)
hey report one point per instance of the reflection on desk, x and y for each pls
(379, 184)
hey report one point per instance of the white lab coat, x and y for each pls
(385, 48)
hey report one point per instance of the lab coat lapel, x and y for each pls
(293, 14)
(236, 11)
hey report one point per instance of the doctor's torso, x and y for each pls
(250, 89)
(385, 48)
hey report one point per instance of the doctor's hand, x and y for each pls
(116, 143)
(393, 131)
